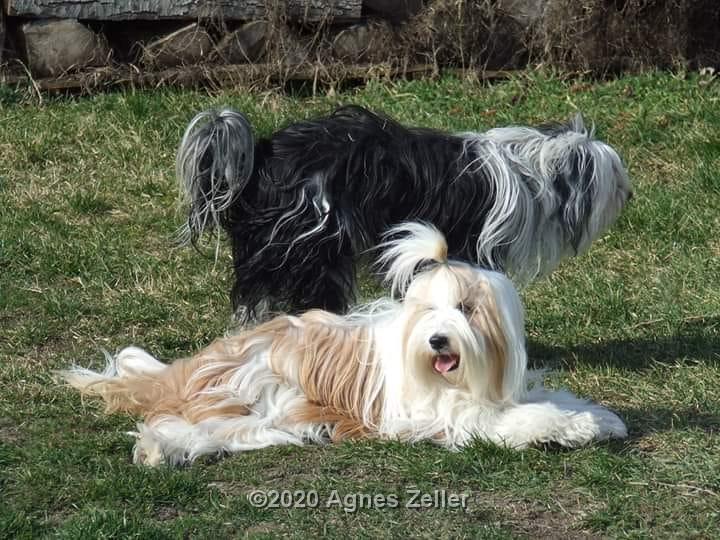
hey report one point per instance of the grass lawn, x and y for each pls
(87, 261)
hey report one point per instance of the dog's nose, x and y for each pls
(438, 341)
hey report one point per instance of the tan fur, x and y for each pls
(333, 361)
(486, 317)
(177, 390)
(344, 427)
(336, 369)
(441, 253)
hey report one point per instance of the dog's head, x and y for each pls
(555, 190)
(463, 325)
(591, 181)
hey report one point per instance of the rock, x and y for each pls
(53, 47)
(246, 44)
(188, 45)
(288, 48)
(525, 12)
(363, 42)
(293, 51)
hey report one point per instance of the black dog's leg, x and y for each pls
(321, 276)
(328, 283)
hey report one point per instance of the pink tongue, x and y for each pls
(446, 362)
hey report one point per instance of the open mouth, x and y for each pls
(445, 363)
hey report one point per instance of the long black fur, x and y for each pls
(301, 206)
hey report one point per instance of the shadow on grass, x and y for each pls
(646, 421)
(697, 340)
(694, 341)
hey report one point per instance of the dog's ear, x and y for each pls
(499, 318)
(487, 317)
(408, 249)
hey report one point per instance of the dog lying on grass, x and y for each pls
(447, 364)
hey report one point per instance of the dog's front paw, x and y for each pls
(595, 424)
(609, 424)
(148, 449)
(560, 418)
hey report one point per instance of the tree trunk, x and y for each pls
(307, 10)
(2, 34)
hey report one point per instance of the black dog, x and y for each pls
(302, 205)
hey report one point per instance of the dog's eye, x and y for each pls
(466, 309)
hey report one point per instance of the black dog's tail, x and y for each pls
(214, 164)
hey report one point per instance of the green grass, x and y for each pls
(88, 210)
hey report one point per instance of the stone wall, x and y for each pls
(55, 39)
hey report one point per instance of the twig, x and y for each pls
(191, 76)
(29, 78)
(645, 323)
(678, 486)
